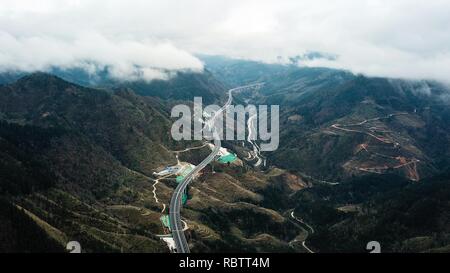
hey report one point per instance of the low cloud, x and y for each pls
(124, 59)
(402, 38)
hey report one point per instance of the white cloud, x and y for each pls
(402, 38)
(125, 59)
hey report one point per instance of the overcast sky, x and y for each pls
(394, 38)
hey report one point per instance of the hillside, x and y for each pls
(69, 151)
(183, 86)
(78, 164)
(335, 125)
(180, 86)
(403, 217)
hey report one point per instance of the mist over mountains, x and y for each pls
(146, 39)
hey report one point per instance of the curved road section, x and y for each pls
(176, 225)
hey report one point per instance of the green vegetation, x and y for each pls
(19, 233)
(313, 99)
(403, 217)
(77, 163)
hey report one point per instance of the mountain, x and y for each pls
(180, 86)
(401, 216)
(71, 150)
(77, 163)
(236, 72)
(104, 118)
(334, 125)
(374, 150)
(10, 76)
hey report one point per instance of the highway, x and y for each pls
(176, 204)
(176, 226)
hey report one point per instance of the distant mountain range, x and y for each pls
(180, 86)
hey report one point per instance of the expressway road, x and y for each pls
(176, 225)
(176, 204)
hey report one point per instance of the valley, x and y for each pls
(96, 163)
